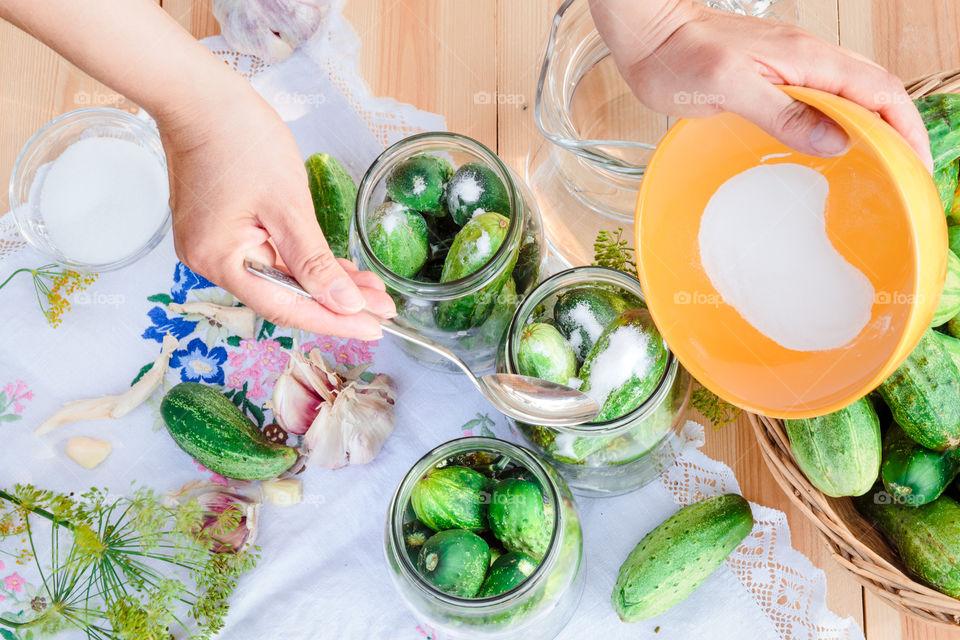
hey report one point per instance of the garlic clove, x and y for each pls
(241, 321)
(283, 493)
(268, 29)
(222, 534)
(87, 452)
(304, 386)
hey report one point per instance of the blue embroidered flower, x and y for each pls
(162, 325)
(184, 280)
(198, 364)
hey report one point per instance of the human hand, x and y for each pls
(239, 190)
(676, 48)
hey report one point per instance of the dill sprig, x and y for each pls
(612, 250)
(715, 409)
(54, 286)
(122, 567)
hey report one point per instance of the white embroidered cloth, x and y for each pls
(322, 572)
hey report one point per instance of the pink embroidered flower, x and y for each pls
(14, 582)
(326, 343)
(360, 350)
(2, 598)
(343, 355)
(2, 566)
(17, 393)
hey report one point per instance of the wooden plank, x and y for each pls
(438, 56)
(194, 15)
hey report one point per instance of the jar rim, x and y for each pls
(454, 289)
(552, 285)
(400, 500)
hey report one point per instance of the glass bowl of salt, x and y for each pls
(90, 189)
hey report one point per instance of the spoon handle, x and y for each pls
(389, 326)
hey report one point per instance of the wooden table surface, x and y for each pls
(438, 55)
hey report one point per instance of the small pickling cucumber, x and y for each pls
(418, 182)
(945, 179)
(924, 395)
(839, 452)
(676, 557)
(951, 343)
(949, 305)
(518, 517)
(475, 188)
(941, 116)
(927, 537)
(415, 534)
(398, 237)
(334, 196)
(473, 247)
(204, 423)
(953, 233)
(452, 498)
(625, 365)
(507, 572)
(912, 474)
(455, 561)
(582, 313)
(544, 353)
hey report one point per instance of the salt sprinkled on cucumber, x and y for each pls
(626, 356)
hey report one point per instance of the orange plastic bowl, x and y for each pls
(883, 215)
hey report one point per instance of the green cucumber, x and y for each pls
(518, 517)
(949, 305)
(952, 344)
(455, 561)
(475, 188)
(914, 475)
(204, 423)
(418, 181)
(941, 116)
(582, 313)
(953, 233)
(543, 352)
(451, 498)
(398, 237)
(676, 557)
(945, 180)
(924, 395)
(926, 537)
(334, 196)
(839, 452)
(625, 365)
(507, 572)
(473, 247)
(415, 534)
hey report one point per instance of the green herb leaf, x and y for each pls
(266, 330)
(285, 341)
(233, 341)
(10, 417)
(254, 411)
(718, 411)
(142, 371)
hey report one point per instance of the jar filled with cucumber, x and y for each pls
(588, 328)
(455, 236)
(484, 540)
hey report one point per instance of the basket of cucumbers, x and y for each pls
(456, 237)
(879, 478)
(484, 540)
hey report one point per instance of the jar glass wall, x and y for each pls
(620, 455)
(490, 294)
(541, 605)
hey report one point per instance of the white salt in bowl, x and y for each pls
(71, 242)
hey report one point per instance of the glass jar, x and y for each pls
(597, 137)
(613, 457)
(520, 254)
(536, 609)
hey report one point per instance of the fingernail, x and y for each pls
(828, 139)
(347, 295)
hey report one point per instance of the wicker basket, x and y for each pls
(855, 544)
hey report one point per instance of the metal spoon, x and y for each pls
(524, 398)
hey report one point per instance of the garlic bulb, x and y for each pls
(268, 29)
(303, 387)
(228, 533)
(352, 428)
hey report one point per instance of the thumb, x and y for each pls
(307, 255)
(794, 123)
